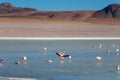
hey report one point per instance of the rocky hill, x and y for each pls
(111, 11)
(6, 9)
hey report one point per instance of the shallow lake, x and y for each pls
(82, 66)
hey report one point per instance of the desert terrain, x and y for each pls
(25, 27)
(26, 22)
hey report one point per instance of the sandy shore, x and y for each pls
(38, 28)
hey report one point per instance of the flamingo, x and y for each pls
(118, 67)
(98, 58)
(107, 51)
(45, 50)
(62, 56)
(1, 60)
(100, 46)
(50, 61)
(17, 62)
(117, 50)
(24, 58)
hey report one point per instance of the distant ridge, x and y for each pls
(8, 10)
(112, 11)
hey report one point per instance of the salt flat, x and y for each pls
(35, 28)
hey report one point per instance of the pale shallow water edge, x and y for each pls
(14, 78)
(59, 38)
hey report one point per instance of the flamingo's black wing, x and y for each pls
(58, 54)
(1, 60)
(66, 55)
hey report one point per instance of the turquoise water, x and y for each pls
(82, 66)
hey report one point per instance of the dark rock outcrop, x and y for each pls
(111, 11)
(6, 5)
(8, 9)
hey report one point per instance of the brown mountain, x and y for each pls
(8, 10)
(111, 11)
(63, 15)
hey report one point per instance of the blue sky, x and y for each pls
(62, 5)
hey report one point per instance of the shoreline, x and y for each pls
(59, 38)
